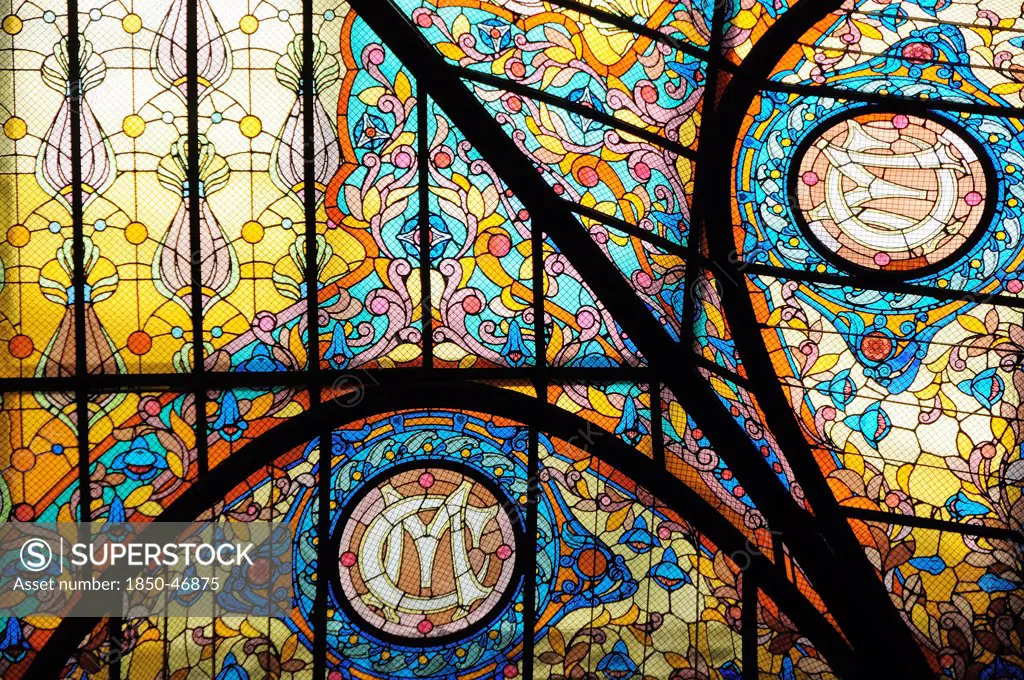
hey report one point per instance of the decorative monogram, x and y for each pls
(382, 555)
(426, 553)
(891, 191)
(871, 211)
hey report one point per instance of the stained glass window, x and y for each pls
(653, 339)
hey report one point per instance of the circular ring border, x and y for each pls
(334, 547)
(984, 223)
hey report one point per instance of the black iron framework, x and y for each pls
(874, 639)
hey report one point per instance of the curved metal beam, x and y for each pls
(856, 613)
(653, 34)
(556, 422)
(891, 643)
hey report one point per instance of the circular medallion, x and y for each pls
(890, 192)
(426, 552)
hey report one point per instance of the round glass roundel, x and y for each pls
(890, 192)
(427, 552)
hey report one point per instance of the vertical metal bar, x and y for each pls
(308, 94)
(658, 455)
(115, 637)
(599, 488)
(707, 118)
(163, 638)
(537, 264)
(195, 256)
(81, 370)
(422, 150)
(748, 625)
(530, 561)
(323, 558)
(654, 507)
(200, 393)
(540, 384)
(779, 551)
(697, 582)
(657, 433)
(115, 624)
(78, 264)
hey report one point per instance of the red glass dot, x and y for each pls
(918, 53)
(499, 245)
(587, 176)
(139, 343)
(876, 346)
(20, 346)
